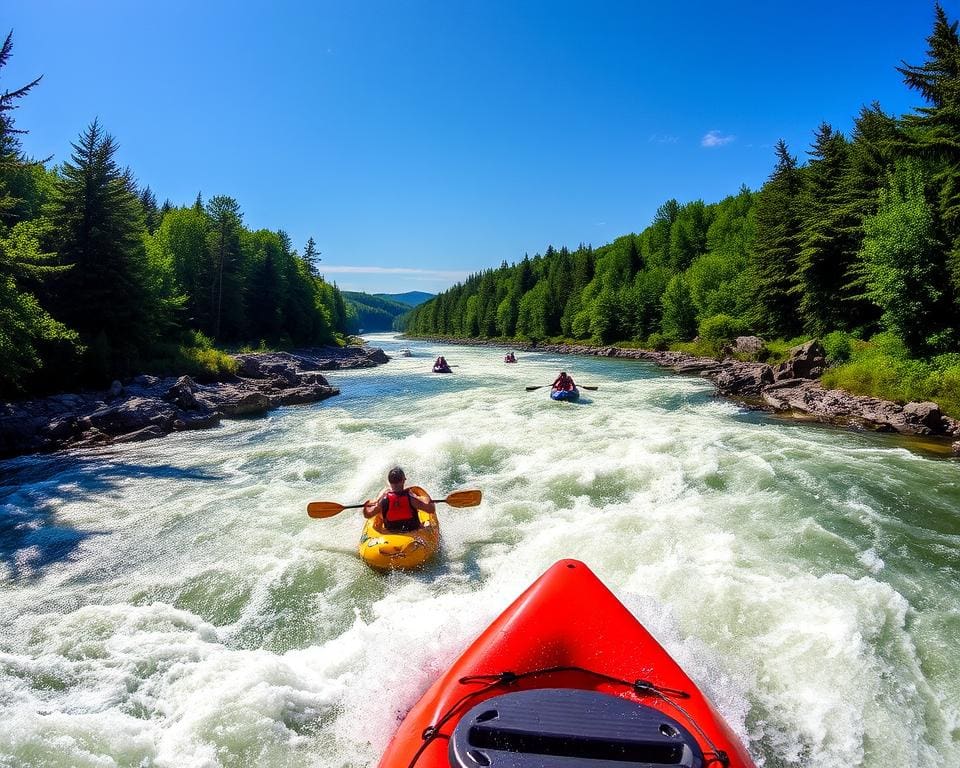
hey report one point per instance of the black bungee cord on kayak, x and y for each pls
(506, 678)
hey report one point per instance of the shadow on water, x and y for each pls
(32, 489)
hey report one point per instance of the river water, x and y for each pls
(170, 604)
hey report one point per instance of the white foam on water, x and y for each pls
(170, 603)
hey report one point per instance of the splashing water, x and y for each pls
(170, 603)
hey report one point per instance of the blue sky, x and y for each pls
(418, 142)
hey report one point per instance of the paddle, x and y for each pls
(579, 386)
(321, 509)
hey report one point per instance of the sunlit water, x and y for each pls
(171, 604)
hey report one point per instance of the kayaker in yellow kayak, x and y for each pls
(397, 505)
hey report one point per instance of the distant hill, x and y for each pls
(377, 312)
(410, 298)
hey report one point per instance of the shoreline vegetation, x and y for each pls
(147, 407)
(792, 388)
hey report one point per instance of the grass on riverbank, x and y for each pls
(197, 358)
(882, 368)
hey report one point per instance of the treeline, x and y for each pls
(861, 238)
(99, 281)
(373, 313)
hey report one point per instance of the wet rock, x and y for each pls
(115, 391)
(147, 433)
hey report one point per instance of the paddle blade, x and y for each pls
(584, 386)
(464, 498)
(321, 509)
(539, 386)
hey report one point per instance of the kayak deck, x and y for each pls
(567, 632)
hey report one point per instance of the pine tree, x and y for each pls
(933, 132)
(224, 248)
(775, 248)
(151, 213)
(312, 257)
(98, 221)
(828, 250)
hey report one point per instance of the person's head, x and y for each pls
(396, 477)
(563, 374)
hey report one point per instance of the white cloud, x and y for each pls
(715, 139)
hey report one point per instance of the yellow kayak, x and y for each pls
(384, 550)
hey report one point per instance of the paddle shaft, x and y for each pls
(579, 386)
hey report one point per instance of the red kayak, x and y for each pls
(566, 677)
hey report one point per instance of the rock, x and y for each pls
(747, 345)
(116, 390)
(145, 381)
(147, 433)
(247, 404)
(743, 379)
(182, 394)
(956, 448)
(202, 420)
(302, 395)
(805, 362)
(926, 414)
(130, 416)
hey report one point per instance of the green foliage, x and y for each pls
(719, 330)
(658, 342)
(883, 368)
(903, 265)
(679, 313)
(838, 345)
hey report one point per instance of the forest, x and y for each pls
(859, 245)
(98, 281)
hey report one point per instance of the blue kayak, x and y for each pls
(570, 395)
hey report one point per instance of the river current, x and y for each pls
(170, 603)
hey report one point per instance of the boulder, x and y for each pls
(747, 345)
(926, 414)
(182, 394)
(805, 362)
(245, 404)
(130, 416)
(744, 379)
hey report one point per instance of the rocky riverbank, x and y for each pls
(147, 407)
(791, 388)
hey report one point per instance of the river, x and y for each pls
(170, 603)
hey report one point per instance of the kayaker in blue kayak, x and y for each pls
(398, 506)
(563, 383)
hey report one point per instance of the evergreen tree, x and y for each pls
(933, 131)
(98, 223)
(312, 256)
(151, 214)
(828, 249)
(223, 243)
(776, 245)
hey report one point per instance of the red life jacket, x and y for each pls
(396, 508)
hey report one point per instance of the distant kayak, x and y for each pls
(442, 369)
(564, 676)
(384, 550)
(569, 395)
